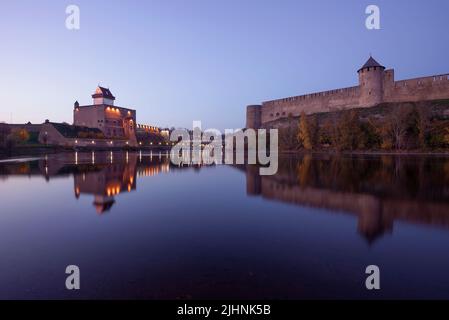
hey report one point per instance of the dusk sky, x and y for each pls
(178, 61)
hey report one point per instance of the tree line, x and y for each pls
(401, 128)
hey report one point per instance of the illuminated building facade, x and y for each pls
(115, 122)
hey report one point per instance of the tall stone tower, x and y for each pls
(371, 78)
(253, 117)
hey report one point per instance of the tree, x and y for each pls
(394, 128)
(4, 132)
(287, 135)
(17, 136)
(304, 133)
(350, 135)
(314, 130)
(422, 124)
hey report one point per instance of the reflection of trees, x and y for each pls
(377, 189)
(303, 170)
(385, 176)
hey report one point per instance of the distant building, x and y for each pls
(376, 86)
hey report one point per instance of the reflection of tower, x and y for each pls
(103, 203)
(371, 221)
(253, 181)
(108, 177)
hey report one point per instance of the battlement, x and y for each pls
(376, 85)
(349, 90)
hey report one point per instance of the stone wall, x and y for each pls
(419, 89)
(326, 101)
(376, 86)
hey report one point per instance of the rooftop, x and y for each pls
(371, 63)
(102, 92)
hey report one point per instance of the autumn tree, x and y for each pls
(18, 136)
(394, 128)
(314, 130)
(422, 125)
(303, 132)
(350, 135)
(287, 134)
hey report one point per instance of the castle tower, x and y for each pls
(103, 96)
(371, 78)
(253, 117)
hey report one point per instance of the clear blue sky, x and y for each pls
(178, 61)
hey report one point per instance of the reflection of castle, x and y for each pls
(101, 174)
(107, 181)
(378, 204)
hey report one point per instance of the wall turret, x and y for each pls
(371, 78)
(253, 117)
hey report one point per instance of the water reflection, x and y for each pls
(377, 189)
(104, 175)
(225, 232)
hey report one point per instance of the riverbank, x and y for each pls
(42, 149)
(372, 152)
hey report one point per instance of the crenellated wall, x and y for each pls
(419, 89)
(376, 85)
(326, 101)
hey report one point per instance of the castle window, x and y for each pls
(271, 115)
(277, 114)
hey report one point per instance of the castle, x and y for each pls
(113, 121)
(101, 125)
(376, 86)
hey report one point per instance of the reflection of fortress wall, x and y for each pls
(375, 214)
(371, 222)
(253, 181)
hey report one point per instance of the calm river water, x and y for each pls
(139, 227)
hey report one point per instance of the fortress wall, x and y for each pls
(326, 101)
(419, 89)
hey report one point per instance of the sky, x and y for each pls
(176, 61)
